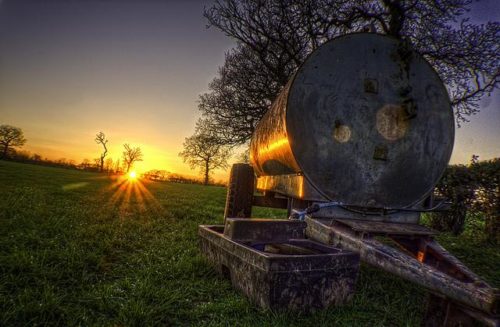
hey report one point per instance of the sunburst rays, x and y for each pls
(130, 197)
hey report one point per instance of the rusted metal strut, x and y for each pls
(417, 258)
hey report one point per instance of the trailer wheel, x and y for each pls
(240, 192)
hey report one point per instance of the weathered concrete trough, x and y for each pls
(273, 264)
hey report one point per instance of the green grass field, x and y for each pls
(76, 248)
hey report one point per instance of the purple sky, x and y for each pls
(134, 69)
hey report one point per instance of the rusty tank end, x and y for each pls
(365, 121)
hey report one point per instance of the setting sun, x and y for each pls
(132, 175)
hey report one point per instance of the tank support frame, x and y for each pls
(391, 240)
(408, 250)
(416, 257)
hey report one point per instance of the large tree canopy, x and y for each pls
(275, 36)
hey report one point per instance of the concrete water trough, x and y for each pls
(272, 263)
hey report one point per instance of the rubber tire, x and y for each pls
(240, 192)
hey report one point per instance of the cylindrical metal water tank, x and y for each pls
(366, 121)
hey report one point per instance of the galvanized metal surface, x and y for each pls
(341, 213)
(282, 275)
(365, 120)
(384, 228)
(293, 185)
(422, 261)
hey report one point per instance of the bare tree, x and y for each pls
(100, 138)
(131, 155)
(204, 150)
(275, 36)
(10, 137)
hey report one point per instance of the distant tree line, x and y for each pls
(12, 138)
(85, 164)
(166, 176)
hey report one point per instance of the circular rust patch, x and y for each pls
(342, 133)
(391, 122)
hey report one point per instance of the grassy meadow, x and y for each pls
(81, 248)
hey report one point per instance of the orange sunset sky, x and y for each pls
(134, 70)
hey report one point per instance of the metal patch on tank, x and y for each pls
(392, 122)
(341, 133)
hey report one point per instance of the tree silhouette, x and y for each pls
(131, 155)
(204, 150)
(100, 138)
(10, 137)
(275, 36)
